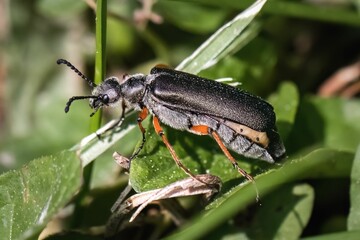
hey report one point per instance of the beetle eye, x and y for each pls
(105, 99)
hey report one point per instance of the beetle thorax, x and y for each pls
(133, 89)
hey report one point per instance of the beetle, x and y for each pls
(234, 118)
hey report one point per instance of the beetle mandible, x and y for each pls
(234, 118)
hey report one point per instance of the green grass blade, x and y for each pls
(95, 122)
(100, 54)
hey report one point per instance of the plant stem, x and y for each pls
(95, 122)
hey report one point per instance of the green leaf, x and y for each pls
(329, 122)
(354, 215)
(284, 213)
(155, 168)
(285, 103)
(211, 50)
(342, 128)
(30, 197)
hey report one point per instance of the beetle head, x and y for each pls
(105, 94)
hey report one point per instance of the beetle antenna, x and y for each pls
(67, 63)
(69, 102)
(93, 113)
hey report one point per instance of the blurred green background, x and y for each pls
(302, 42)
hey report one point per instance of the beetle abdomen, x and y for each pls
(242, 144)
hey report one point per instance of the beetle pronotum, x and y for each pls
(241, 121)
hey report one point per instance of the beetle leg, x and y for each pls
(229, 156)
(205, 130)
(233, 161)
(118, 123)
(142, 115)
(160, 132)
(115, 127)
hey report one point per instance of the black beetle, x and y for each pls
(241, 121)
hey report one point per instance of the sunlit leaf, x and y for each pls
(208, 53)
(284, 219)
(30, 197)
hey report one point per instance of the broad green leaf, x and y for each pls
(330, 122)
(322, 163)
(284, 213)
(285, 102)
(208, 53)
(30, 197)
(341, 125)
(354, 215)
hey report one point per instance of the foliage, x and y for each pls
(284, 55)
